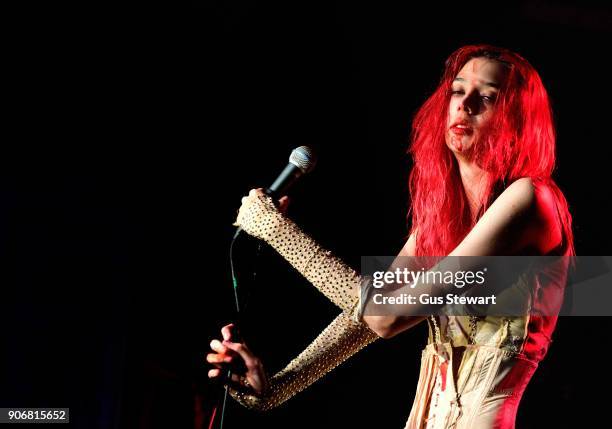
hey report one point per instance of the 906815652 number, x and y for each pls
(34, 415)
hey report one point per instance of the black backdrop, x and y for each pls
(132, 131)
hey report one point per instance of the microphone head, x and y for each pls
(303, 158)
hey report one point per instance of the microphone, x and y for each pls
(302, 161)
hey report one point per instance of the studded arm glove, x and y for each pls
(342, 338)
(260, 218)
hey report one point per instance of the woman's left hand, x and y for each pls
(248, 374)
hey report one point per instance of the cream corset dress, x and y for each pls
(474, 370)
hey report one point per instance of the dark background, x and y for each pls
(133, 129)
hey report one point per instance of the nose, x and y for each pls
(463, 106)
(469, 104)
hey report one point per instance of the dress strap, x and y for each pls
(473, 329)
(436, 330)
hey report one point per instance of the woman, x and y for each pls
(484, 149)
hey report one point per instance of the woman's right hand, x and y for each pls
(257, 213)
(248, 374)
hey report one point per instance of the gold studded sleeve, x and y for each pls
(336, 280)
(342, 338)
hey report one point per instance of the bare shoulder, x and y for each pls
(546, 218)
(510, 226)
(521, 194)
(514, 207)
(535, 201)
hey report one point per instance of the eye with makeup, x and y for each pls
(486, 98)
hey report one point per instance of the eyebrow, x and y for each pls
(491, 84)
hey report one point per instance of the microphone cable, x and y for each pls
(236, 335)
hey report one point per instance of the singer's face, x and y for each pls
(472, 102)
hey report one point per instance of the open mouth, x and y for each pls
(461, 129)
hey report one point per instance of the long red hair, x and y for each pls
(519, 142)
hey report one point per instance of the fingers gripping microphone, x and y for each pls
(301, 161)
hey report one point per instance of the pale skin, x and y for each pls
(522, 220)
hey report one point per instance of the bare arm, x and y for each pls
(517, 220)
(383, 325)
